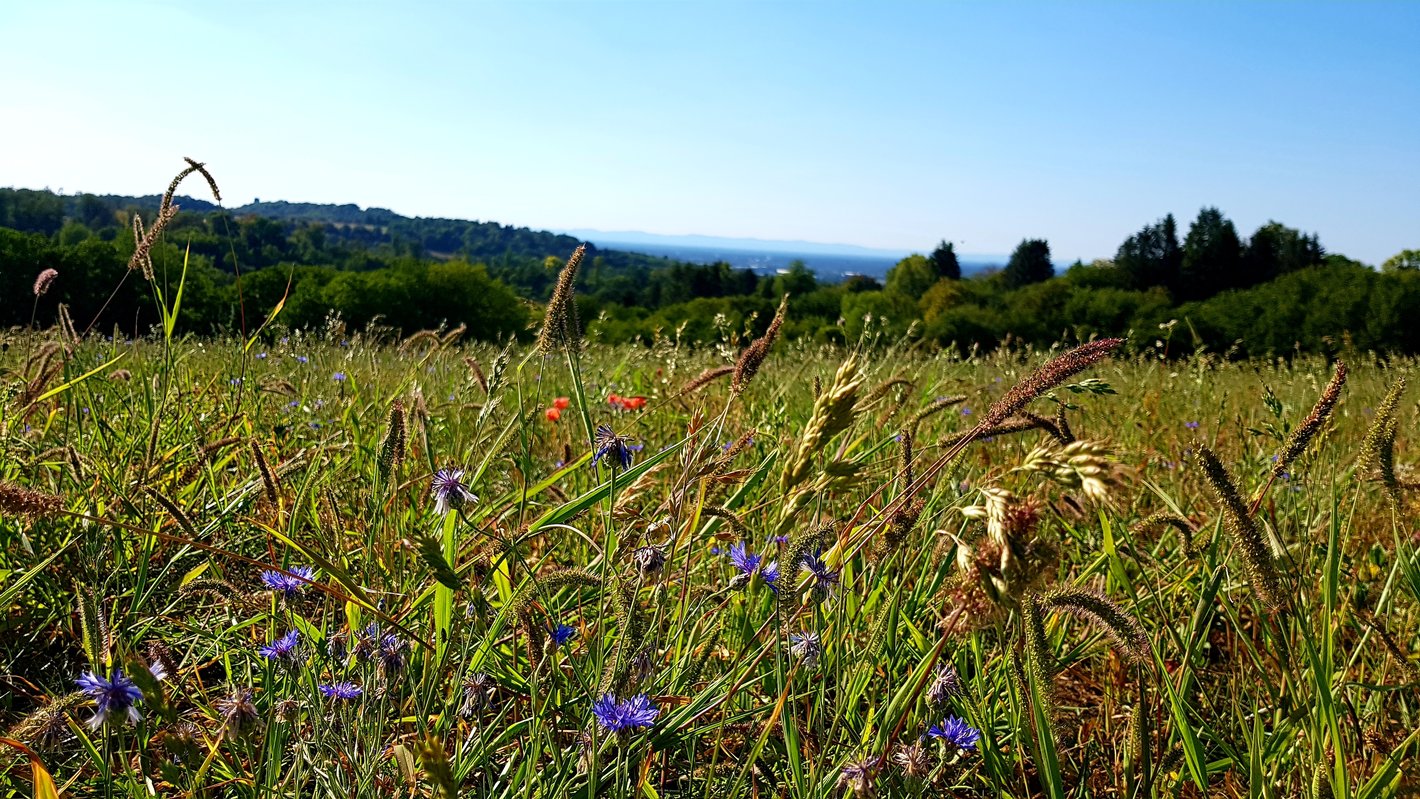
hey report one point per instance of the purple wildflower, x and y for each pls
(956, 732)
(824, 580)
(116, 695)
(613, 447)
(946, 683)
(749, 564)
(286, 583)
(561, 634)
(1191, 425)
(284, 648)
(449, 491)
(339, 377)
(806, 647)
(625, 716)
(343, 691)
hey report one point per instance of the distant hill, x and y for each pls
(440, 238)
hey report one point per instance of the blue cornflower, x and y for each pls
(286, 583)
(613, 447)
(118, 695)
(283, 648)
(339, 377)
(858, 777)
(393, 654)
(367, 642)
(561, 634)
(1191, 425)
(946, 684)
(749, 564)
(825, 579)
(343, 691)
(625, 716)
(261, 356)
(806, 647)
(301, 359)
(449, 491)
(956, 732)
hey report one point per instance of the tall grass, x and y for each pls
(935, 574)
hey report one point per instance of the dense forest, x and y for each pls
(1275, 291)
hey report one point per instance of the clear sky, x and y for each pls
(882, 124)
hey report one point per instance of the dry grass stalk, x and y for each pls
(934, 407)
(430, 336)
(453, 336)
(753, 356)
(184, 523)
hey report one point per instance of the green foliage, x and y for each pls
(911, 277)
(1408, 260)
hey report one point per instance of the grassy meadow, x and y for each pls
(849, 572)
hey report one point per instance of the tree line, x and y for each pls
(1275, 291)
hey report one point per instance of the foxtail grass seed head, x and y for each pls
(16, 500)
(1166, 519)
(1378, 447)
(1257, 556)
(707, 377)
(561, 329)
(1123, 630)
(393, 447)
(1053, 373)
(1304, 433)
(44, 280)
(753, 356)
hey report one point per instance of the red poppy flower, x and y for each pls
(561, 403)
(553, 414)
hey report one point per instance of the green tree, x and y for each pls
(1403, 260)
(1212, 256)
(1030, 263)
(1276, 250)
(911, 277)
(1151, 257)
(944, 261)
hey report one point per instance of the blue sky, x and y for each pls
(888, 125)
